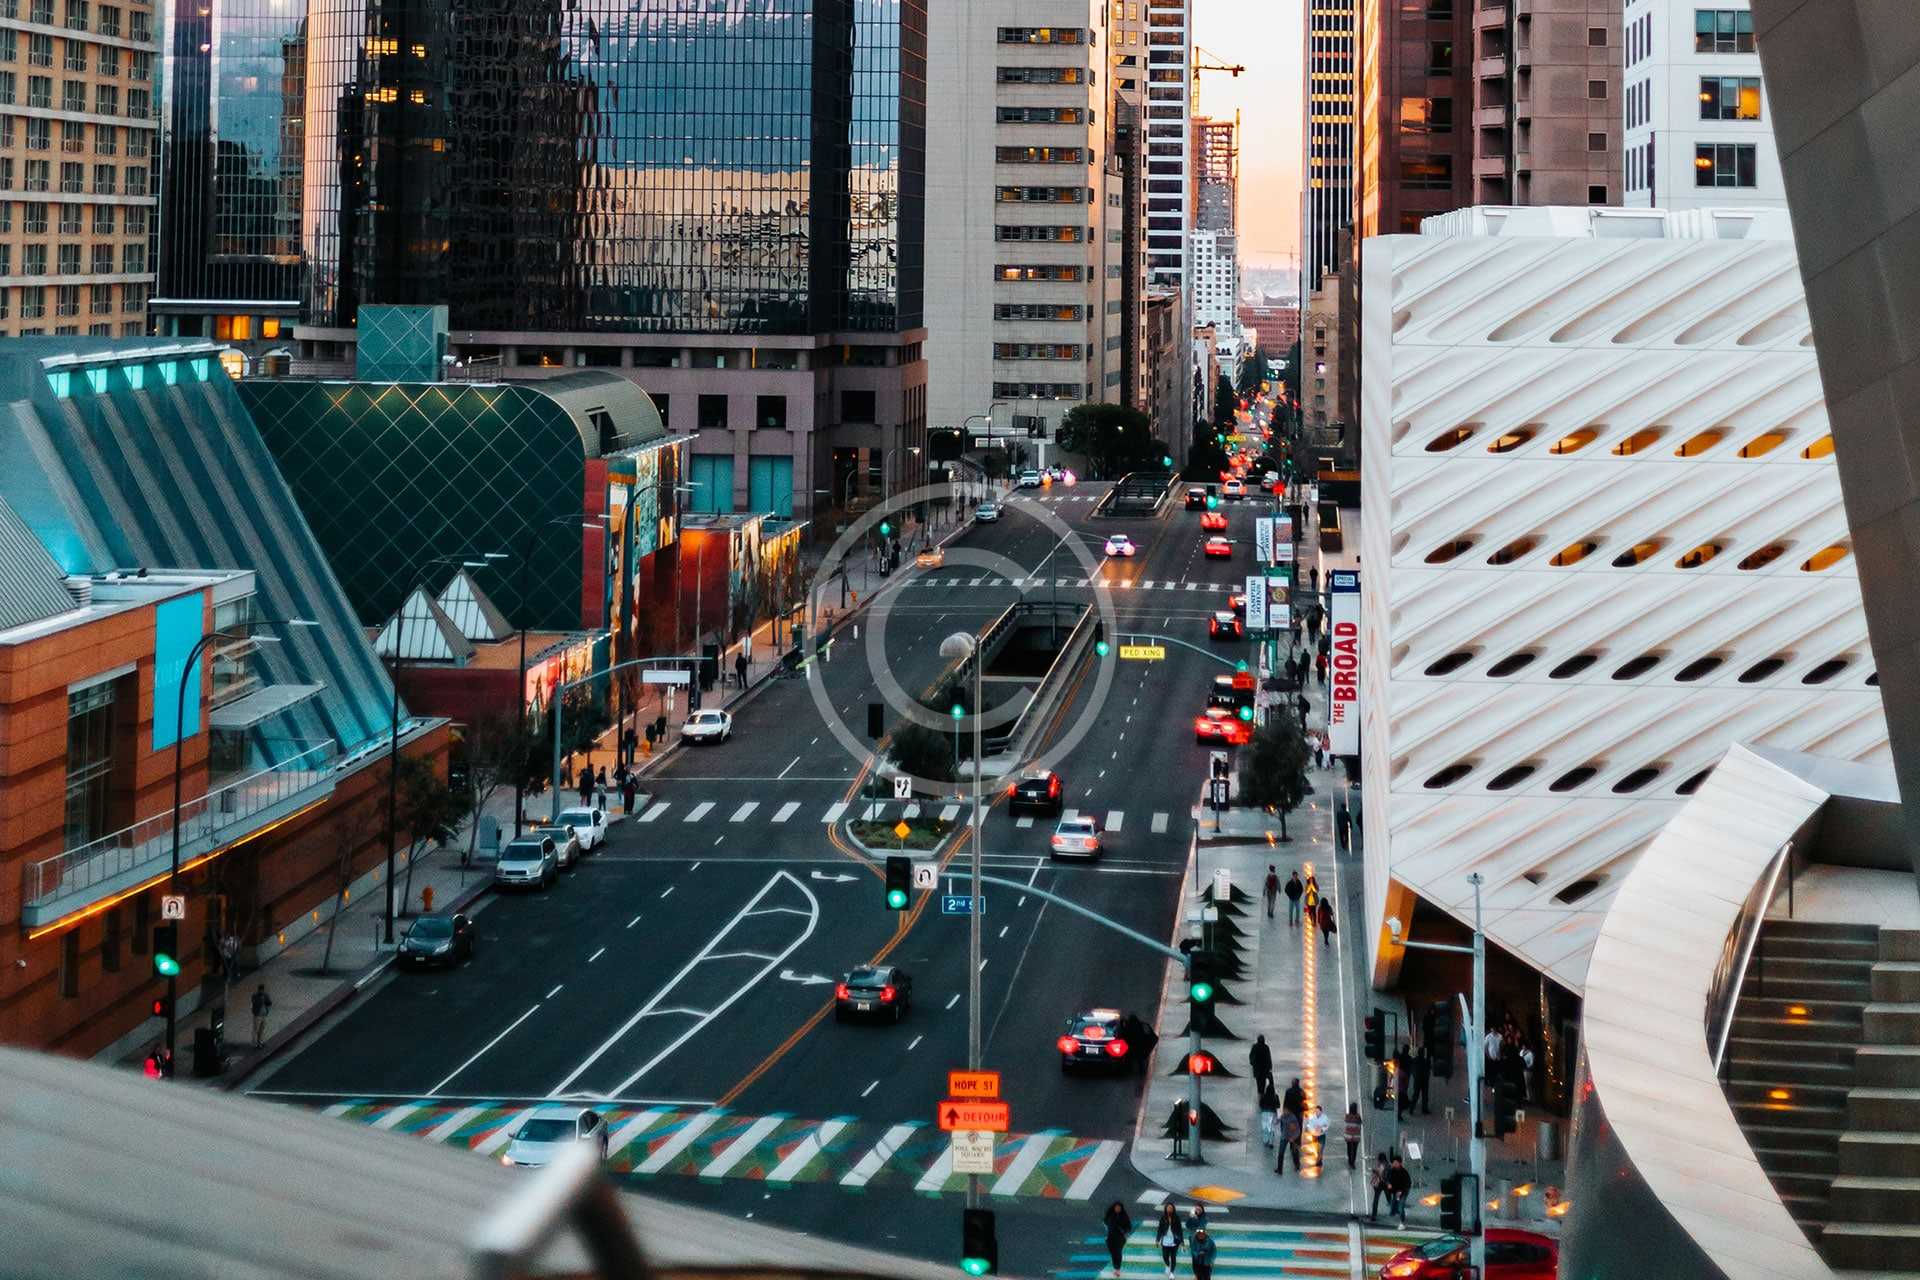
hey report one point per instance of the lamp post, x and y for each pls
(962, 644)
(179, 750)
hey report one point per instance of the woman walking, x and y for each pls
(1119, 1227)
(1269, 1113)
(1353, 1133)
(1327, 926)
(1170, 1235)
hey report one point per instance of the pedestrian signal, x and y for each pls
(1376, 1037)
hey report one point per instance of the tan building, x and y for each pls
(77, 148)
(1322, 410)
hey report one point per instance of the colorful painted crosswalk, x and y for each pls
(1246, 1251)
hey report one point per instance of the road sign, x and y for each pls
(973, 1085)
(1144, 652)
(901, 830)
(672, 675)
(955, 1114)
(960, 904)
(1219, 794)
(1222, 885)
(973, 1151)
(926, 875)
(173, 906)
(902, 787)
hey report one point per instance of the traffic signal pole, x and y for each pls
(974, 913)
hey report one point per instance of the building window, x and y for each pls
(1596, 37)
(770, 412)
(1596, 142)
(89, 762)
(712, 413)
(1440, 58)
(1729, 97)
(133, 259)
(1427, 173)
(1426, 115)
(1597, 89)
(1041, 35)
(109, 21)
(1038, 75)
(1722, 31)
(1723, 164)
(1596, 195)
(1038, 155)
(40, 50)
(70, 963)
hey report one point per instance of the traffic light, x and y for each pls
(1201, 1063)
(1506, 1103)
(166, 950)
(1246, 713)
(163, 1006)
(1450, 1202)
(886, 529)
(1100, 645)
(159, 1065)
(1439, 1038)
(1376, 1037)
(899, 881)
(958, 711)
(1240, 667)
(979, 1249)
(1203, 970)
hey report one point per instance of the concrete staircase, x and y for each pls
(1873, 1205)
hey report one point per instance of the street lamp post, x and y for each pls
(962, 644)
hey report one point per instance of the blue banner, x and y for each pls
(177, 628)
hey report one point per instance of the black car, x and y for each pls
(435, 940)
(1105, 1040)
(879, 990)
(1196, 499)
(1041, 791)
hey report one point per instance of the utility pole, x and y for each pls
(973, 916)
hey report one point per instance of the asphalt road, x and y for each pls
(687, 965)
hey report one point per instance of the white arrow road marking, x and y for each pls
(835, 878)
(804, 1154)
(1026, 1161)
(804, 979)
(679, 1142)
(1093, 1170)
(737, 1149)
(883, 1151)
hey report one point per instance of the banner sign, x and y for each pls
(1263, 539)
(1256, 602)
(1343, 705)
(177, 631)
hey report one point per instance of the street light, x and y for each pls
(963, 645)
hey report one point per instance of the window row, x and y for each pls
(1729, 97)
(1639, 442)
(68, 261)
(78, 15)
(1067, 273)
(1045, 35)
(37, 175)
(1043, 195)
(1038, 75)
(32, 301)
(1040, 155)
(1039, 311)
(1630, 782)
(1039, 351)
(1641, 553)
(31, 217)
(1039, 115)
(1043, 390)
(1722, 31)
(1632, 669)
(36, 133)
(1069, 234)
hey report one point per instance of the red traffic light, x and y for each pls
(152, 1067)
(159, 1006)
(1201, 1063)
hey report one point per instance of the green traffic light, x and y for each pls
(1102, 648)
(1246, 713)
(897, 899)
(1201, 992)
(1240, 665)
(958, 712)
(166, 966)
(974, 1266)
(885, 528)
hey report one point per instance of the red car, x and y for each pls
(1238, 603)
(1218, 548)
(1213, 520)
(1217, 724)
(1511, 1255)
(1225, 626)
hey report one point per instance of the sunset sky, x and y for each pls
(1264, 36)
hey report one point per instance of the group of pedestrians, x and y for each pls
(1170, 1233)
(1390, 1178)
(1303, 899)
(1509, 1059)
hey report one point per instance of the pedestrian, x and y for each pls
(1525, 1071)
(1399, 1183)
(1295, 1101)
(1320, 668)
(262, 1006)
(1352, 1125)
(1202, 1254)
(1260, 1064)
(740, 667)
(1294, 890)
(1119, 1227)
(1310, 899)
(586, 784)
(1422, 1078)
(1316, 1127)
(1270, 890)
(1402, 1076)
(600, 779)
(1377, 1183)
(629, 791)
(1327, 926)
(1170, 1235)
(1290, 1130)
(1491, 1047)
(1269, 1114)
(1176, 1128)
(1197, 1220)
(1301, 705)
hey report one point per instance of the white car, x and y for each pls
(543, 1135)
(1076, 838)
(987, 512)
(1029, 479)
(589, 827)
(1233, 489)
(707, 726)
(1120, 545)
(1056, 473)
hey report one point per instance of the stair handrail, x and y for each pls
(1730, 975)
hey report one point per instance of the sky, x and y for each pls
(1265, 37)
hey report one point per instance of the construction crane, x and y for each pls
(1232, 67)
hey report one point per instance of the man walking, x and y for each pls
(740, 667)
(262, 1006)
(1271, 889)
(1294, 890)
(1399, 1183)
(1201, 1252)
(1316, 1127)
(1260, 1065)
(1422, 1078)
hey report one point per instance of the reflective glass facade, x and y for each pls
(651, 166)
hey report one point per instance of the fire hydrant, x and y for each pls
(426, 898)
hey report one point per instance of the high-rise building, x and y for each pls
(1326, 188)
(1214, 259)
(76, 155)
(1698, 128)
(1025, 299)
(724, 203)
(1216, 174)
(1169, 194)
(1216, 289)
(1127, 150)
(228, 242)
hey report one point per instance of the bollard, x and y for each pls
(426, 899)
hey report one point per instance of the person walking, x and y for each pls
(586, 783)
(629, 790)
(1377, 1182)
(1310, 899)
(740, 667)
(1294, 890)
(1403, 1079)
(1328, 926)
(1270, 889)
(1202, 1254)
(1119, 1227)
(1524, 1070)
(262, 1006)
(1316, 1127)
(1269, 1114)
(1351, 1125)
(1260, 1065)
(1294, 1102)
(1422, 1079)
(1399, 1183)
(1170, 1235)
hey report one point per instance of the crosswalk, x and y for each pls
(714, 1142)
(749, 812)
(1246, 1250)
(1112, 582)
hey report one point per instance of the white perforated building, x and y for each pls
(1604, 541)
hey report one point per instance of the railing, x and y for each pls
(1730, 973)
(203, 818)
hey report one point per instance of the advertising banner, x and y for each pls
(1343, 619)
(1263, 539)
(177, 628)
(1256, 602)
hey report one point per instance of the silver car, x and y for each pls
(566, 845)
(551, 1130)
(987, 512)
(530, 862)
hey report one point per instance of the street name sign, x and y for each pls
(973, 1151)
(974, 1086)
(670, 676)
(1144, 652)
(956, 1114)
(960, 904)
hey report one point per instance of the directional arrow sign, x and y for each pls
(804, 979)
(974, 1115)
(835, 878)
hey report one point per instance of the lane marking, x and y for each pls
(808, 1151)
(915, 1043)
(783, 773)
(489, 1044)
(633, 922)
(699, 811)
(738, 1149)
(590, 959)
(1004, 928)
(680, 1141)
(950, 1003)
(1114, 818)
(655, 809)
(870, 1088)
(1159, 824)
(741, 814)
(669, 892)
(556, 986)
(875, 1159)
(785, 811)
(1023, 823)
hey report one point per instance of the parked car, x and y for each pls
(589, 826)
(431, 940)
(707, 726)
(531, 861)
(566, 845)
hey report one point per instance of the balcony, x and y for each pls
(72, 881)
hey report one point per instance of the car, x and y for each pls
(1056, 473)
(1196, 498)
(931, 558)
(550, 1130)
(1272, 480)
(1104, 1040)
(529, 860)
(1218, 548)
(1031, 479)
(1225, 626)
(987, 512)
(1075, 838)
(439, 939)
(707, 726)
(1237, 601)
(589, 826)
(1234, 488)
(1512, 1254)
(884, 990)
(1120, 544)
(566, 845)
(1039, 789)
(1213, 521)
(1218, 725)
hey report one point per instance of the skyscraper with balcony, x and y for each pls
(76, 146)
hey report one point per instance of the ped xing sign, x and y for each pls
(955, 1114)
(1144, 652)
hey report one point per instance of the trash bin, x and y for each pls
(1546, 1140)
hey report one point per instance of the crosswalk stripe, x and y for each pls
(911, 811)
(937, 1173)
(947, 814)
(1032, 1148)
(453, 1124)
(655, 810)
(634, 1128)
(785, 811)
(872, 812)
(807, 1151)
(741, 814)
(1023, 823)
(1114, 818)
(679, 1142)
(504, 1134)
(337, 1109)
(974, 582)
(1068, 815)
(1159, 824)
(833, 813)
(1193, 586)
(1081, 582)
(737, 1150)
(698, 811)
(396, 1115)
(872, 1162)
(1088, 1180)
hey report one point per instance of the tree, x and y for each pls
(497, 751)
(920, 751)
(1274, 775)
(1205, 461)
(427, 809)
(1225, 401)
(1113, 437)
(352, 829)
